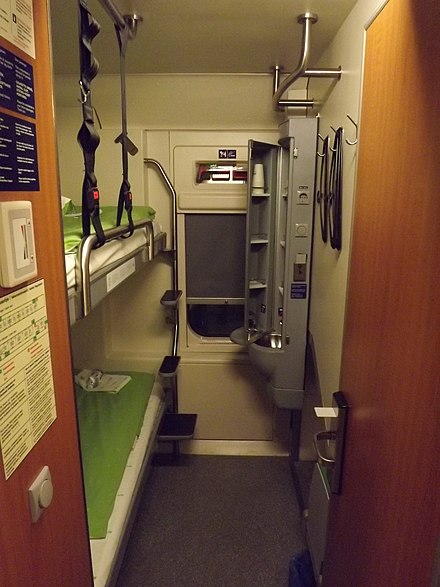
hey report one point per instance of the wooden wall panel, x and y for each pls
(54, 551)
(384, 527)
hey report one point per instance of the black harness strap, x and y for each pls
(125, 199)
(88, 138)
(335, 192)
(322, 195)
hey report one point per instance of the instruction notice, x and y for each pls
(27, 395)
(18, 155)
(17, 24)
(16, 84)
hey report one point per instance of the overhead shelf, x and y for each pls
(257, 195)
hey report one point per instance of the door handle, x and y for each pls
(339, 414)
(321, 440)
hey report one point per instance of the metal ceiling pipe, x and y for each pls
(306, 19)
(122, 21)
(329, 72)
(296, 103)
(114, 13)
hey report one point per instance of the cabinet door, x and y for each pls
(263, 188)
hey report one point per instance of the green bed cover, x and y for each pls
(72, 223)
(108, 426)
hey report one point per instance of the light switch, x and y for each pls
(40, 493)
(17, 245)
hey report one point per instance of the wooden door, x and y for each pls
(53, 551)
(384, 527)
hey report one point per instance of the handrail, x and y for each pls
(306, 19)
(175, 261)
(88, 243)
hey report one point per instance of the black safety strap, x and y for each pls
(335, 192)
(322, 194)
(88, 138)
(125, 199)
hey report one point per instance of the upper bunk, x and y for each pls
(93, 271)
(103, 245)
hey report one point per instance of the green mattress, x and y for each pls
(72, 223)
(108, 426)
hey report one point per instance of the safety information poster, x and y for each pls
(18, 155)
(16, 84)
(17, 24)
(27, 395)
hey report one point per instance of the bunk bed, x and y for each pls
(117, 436)
(118, 431)
(92, 272)
(120, 426)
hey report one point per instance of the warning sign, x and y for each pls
(27, 396)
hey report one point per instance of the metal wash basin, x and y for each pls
(270, 340)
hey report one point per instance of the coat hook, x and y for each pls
(330, 147)
(325, 141)
(356, 139)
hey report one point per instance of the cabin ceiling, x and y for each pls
(201, 36)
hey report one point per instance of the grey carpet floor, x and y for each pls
(215, 521)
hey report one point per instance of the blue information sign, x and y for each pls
(298, 291)
(18, 155)
(16, 84)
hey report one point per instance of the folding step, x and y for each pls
(171, 297)
(169, 366)
(177, 427)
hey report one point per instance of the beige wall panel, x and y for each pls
(179, 101)
(108, 167)
(330, 268)
(230, 400)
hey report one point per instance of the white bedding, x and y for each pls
(104, 550)
(110, 252)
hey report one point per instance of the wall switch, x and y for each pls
(300, 267)
(40, 493)
(301, 230)
(17, 244)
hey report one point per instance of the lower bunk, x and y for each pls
(118, 435)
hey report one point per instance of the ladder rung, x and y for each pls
(177, 427)
(171, 297)
(169, 366)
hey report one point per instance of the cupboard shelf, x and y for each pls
(256, 284)
(259, 239)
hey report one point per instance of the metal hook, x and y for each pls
(356, 126)
(324, 141)
(330, 147)
(84, 94)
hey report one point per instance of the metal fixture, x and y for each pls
(175, 292)
(125, 14)
(306, 19)
(330, 444)
(356, 126)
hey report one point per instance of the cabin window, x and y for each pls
(215, 269)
